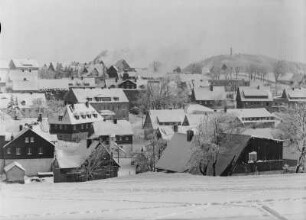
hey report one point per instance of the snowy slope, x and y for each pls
(159, 196)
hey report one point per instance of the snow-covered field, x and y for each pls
(159, 196)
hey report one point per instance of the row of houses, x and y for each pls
(63, 144)
(247, 97)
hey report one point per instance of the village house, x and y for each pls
(254, 98)
(212, 97)
(238, 154)
(127, 84)
(290, 97)
(101, 99)
(120, 130)
(68, 165)
(156, 118)
(75, 123)
(30, 105)
(255, 117)
(31, 146)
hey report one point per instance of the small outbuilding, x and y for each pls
(14, 172)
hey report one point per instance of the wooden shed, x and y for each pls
(14, 172)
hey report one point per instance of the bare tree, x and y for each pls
(207, 141)
(165, 94)
(293, 129)
(279, 69)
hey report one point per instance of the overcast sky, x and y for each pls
(174, 31)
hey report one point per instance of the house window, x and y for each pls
(18, 151)
(26, 140)
(82, 126)
(32, 139)
(40, 150)
(29, 151)
(8, 150)
(74, 127)
(127, 138)
(60, 127)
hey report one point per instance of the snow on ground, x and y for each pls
(159, 196)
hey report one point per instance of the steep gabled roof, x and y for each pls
(231, 147)
(76, 114)
(13, 164)
(176, 156)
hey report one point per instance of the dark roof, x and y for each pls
(231, 147)
(177, 154)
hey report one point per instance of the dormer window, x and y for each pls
(23, 102)
(83, 116)
(95, 115)
(70, 84)
(60, 117)
(76, 117)
(116, 98)
(89, 115)
(89, 99)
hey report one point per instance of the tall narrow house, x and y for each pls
(75, 123)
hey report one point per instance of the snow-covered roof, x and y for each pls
(76, 114)
(65, 83)
(116, 95)
(25, 63)
(195, 119)
(25, 100)
(109, 127)
(251, 112)
(255, 94)
(13, 164)
(177, 154)
(295, 94)
(260, 132)
(197, 109)
(166, 115)
(203, 94)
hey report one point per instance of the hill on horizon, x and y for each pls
(244, 61)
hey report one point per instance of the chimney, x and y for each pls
(211, 87)
(20, 127)
(175, 128)
(12, 137)
(189, 135)
(115, 121)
